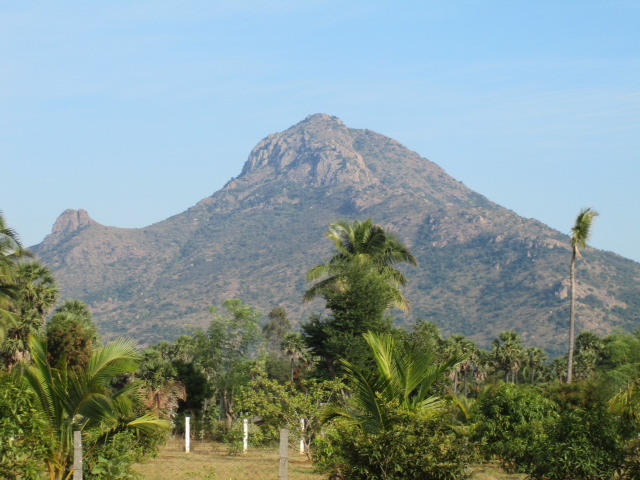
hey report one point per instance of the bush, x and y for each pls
(21, 428)
(581, 444)
(412, 448)
(113, 459)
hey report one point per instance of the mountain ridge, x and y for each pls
(481, 264)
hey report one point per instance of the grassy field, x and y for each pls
(211, 461)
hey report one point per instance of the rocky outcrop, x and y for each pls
(70, 221)
(318, 151)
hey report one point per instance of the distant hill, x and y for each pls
(483, 269)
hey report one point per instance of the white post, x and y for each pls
(302, 435)
(77, 455)
(187, 434)
(245, 437)
(283, 471)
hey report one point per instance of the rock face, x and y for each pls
(483, 269)
(71, 221)
(317, 152)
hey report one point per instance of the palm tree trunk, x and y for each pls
(572, 313)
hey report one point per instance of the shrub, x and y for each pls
(411, 448)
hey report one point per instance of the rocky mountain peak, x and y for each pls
(319, 151)
(71, 220)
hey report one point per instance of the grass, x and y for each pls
(211, 461)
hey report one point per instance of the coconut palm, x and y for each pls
(404, 377)
(364, 244)
(626, 402)
(580, 234)
(80, 399)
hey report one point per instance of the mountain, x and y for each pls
(483, 269)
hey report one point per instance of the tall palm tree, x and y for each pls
(11, 251)
(537, 357)
(293, 347)
(35, 295)
(404, 377)
(460, 346)
(580, 234)
(509, 354)
(80, 399)
(367, 245)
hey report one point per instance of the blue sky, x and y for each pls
(135, 111)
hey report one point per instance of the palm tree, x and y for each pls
(508, 354)
(404, 377)
(626, 403)
(537, 357)
(293, 347)
(11, 251)
(80, 399)
(35, 295)
(580, 233)
(363, 244)
(459, 346)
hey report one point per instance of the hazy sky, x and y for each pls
(135, 111)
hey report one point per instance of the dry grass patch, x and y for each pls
(490, 471)
(209, 461)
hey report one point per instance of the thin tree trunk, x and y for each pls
(292, 368)
(465, 383)
(572, 313)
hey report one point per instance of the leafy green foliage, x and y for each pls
(71, 335)
(73, 399)
(585, 444)
(22, 427)
(413, 447)
(510, 420)
(285, 405)
(113, 459)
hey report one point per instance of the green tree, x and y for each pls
(11, 251)
(458, 346)
(580, 234)
(226, 350)
(35, 295)
(359, 285)
(294, 348)
(80, 399)
(537, 359)
(277, 327)
(22, 426)
(404, 377)
(510, 421)
(280, 406)
(71, 335)
(509, 354)
(163, 391)
(394, 426)
(362, 243)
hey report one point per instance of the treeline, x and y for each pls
(375, 401)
